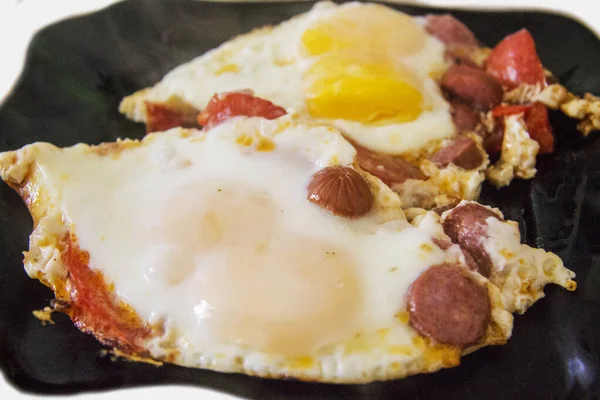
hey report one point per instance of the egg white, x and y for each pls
(209, 237)
(215, 241)
(270, 61)
(211, 241)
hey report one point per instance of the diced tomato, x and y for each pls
(539, 128)
(536, 119)
(223, 106)
(515, 60)
(500, 111)
(160, 117)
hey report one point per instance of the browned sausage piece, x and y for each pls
(390, 169)
(463, 117)
(439, 210)
(449, 30)
(473, 86)
(471, 263)
(341, 191)
(441, 243)
(466, 226)
(462, 152)
(448, 306)
(492, 142)
(445, 245)
(456, 58)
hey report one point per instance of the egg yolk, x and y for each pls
(356, 73)
(363, 88)
(255, 283)
(367, 28)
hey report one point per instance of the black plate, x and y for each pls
(78, 70)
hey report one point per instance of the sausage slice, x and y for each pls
(448, 306)
(473, 86)
(462, 152)
(463, 116)
(455, 57)
(445, 245)
(390, 169)
(492, 142)
(466, 226)
(450, 30)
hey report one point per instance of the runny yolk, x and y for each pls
(362, 88)
(356, 73)
(254, 282)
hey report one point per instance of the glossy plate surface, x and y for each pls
(78, 70)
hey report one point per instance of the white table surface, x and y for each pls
(20, 19)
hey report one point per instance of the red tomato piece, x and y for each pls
(539, 128)
(223, 106)
(501, 111)
(536, 119)
(160, 117)
(515, 60)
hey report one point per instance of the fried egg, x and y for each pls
(206, 250)
(366, 69)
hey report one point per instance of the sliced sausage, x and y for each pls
(445, 245)
(458, 58)
(466, 226)
(441, 243)
(449, 30)
(471, 263)
(439, 210)
(341, 191)
(473, 86)
(160, 117)
(390, 169)
(448, 306)
(463, 116)
(492, 142)
(462, 152)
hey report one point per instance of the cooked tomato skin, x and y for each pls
(161, 118)
(536, 119)
(223, 106)
(93, 306)
(501, 111)
(515, 61)
(539, 128)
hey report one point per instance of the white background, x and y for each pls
(19, 20)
